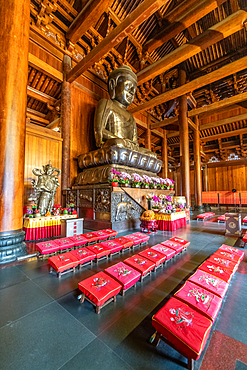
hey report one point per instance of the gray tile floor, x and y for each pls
(43, 325)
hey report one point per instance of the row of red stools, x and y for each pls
(59, 245)
(103, 287)
(186, 319)
(66, 262)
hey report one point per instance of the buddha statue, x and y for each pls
(113, 124)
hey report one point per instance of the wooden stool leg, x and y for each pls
(155, 339)
(82, 298)
(190, 364)
(97, 309)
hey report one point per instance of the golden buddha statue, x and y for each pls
(113, 124)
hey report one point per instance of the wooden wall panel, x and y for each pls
(45, 56)
(227, 178)
(41, 146)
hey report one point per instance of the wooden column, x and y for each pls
(205, 176)
(148, 136)
(65, 125)
(184, 141)
(197, 166)
(14, 41)
(164, 156)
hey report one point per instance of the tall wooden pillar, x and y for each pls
(14, 41)
(184, 141)
(197, 167)
(164, 156)
(65, 126)
(148, 136)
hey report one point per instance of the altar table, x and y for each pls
(171, 222)
(44, 227)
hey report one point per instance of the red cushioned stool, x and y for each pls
(217, 271)
(100, 250)
(229, 265)
(154, 256)
(168, 252)
(65, 243)
(63, 263)
(111, 233)
(143, 237)
(205, 216)
(210, 282)
(102, 235)
(48, 247)
(84, 256)
(113, 245)
(229, 249)
(99, 289)
(245, 219)
(79, 240)
(91, 238)
(139, 239)
(126, 243)
(124, 274)
(178, 248)
(183, 328)
(222, 218)
(202, 300)
(184, 243)
(244, 238)
(229, 256)
(141, 264)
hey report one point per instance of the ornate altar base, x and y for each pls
(103, 206)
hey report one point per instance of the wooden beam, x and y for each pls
(224, 134)
(181, 22)
(133, 20)
(220, 73)
(39, 95)
(165, 122)
(191, 124)
(45, 68)
(224, 121)
(37, 116)
(87, 18)
(216, 33)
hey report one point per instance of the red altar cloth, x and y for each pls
(171, 225)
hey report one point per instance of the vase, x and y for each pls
(114, 184)
(149, 205)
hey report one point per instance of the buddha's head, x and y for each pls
(122, 84)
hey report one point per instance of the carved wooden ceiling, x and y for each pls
(154, 37)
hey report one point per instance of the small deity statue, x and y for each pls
(45, 187)
(113, 124)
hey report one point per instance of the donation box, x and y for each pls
(71, 227)
(233, 223)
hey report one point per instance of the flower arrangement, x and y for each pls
(114, 177)
(149, 196)
(124, 178)
(136, 179)
(146, 180)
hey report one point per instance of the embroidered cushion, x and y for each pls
(153, 256)
(110, 232)
(63, 261)
(99, 288)
(168, 252)
(205, 215)
(185, 328)
(79, 240)
(229, 249)
(210, 282)
(142, 236)
(113, 245)
(83, 255)
(229, 265)
(184, 243)
(136, 239)
(65, 243)
(173, 245)
(202, 300)
(47, 247)
(124, 274)
(91, 237)
(229, 256)
(99, 249)
(245, 238)
(222, 218)
(126, 243)
(102, 234)
(216, 270)
(141, 264)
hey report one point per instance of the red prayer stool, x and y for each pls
(79, 240)
(184, 243)
(210, 282)
(124, 274)
(47, 247)
(63, 263)
(102, 235)
(216, 270)
(139, 239)
(168, 252)
(223, 262)
(141, 264)
(245, 238)
(154, 256)
(100, 250)
(111, 233)
(84, 256)
(245, 219)
(91, 238)
(126, 243)
(143, 237)
(229, 249)
(65, 243)
(183, 328)
(229, 256)
(178, 248)
(222, 218)
(99, 289)
(149, 227)
(202, 300)
(205, 216)
(113, 245)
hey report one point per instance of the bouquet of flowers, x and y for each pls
(146, 180)
(124, 178)
(136, 179)
(149, 196)
(114, 176)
